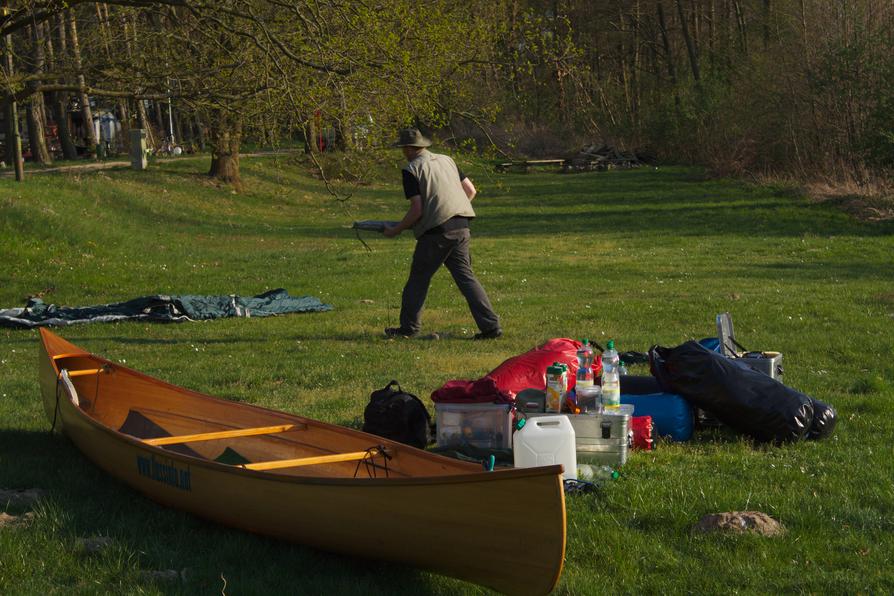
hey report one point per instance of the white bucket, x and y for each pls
(544, 441)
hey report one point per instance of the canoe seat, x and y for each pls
(220, 434)
(141, 427)
(318, 459)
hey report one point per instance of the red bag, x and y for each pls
(528, 370)
(525, 371)
(643, 437)
(484, 390)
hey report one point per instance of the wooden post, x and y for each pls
(138, 159)
(17, 159)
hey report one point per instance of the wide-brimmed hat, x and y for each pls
(411, 137)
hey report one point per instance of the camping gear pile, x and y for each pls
(289, 476)
(713, 382)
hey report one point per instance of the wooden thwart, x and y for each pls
(86, 371)
(222, 434)
(67, 355)
(310, 461)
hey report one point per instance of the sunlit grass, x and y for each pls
(643, 256)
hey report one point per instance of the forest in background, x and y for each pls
(799, 89)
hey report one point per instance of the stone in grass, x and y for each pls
(94, 545)
(15, 521)
(740, 522)
(20, 497)
(163, 576)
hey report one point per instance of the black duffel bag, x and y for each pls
(397, 415)
(744, 399)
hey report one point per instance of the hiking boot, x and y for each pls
(492, 334)
(399, 332)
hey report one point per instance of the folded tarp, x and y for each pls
(161, 308)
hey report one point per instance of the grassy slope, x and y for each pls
(643, 256)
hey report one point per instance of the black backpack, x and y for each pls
(397, 415)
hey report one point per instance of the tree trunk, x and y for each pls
(86, 112)
(59, 99)
(311, 144)
(740, 23)
(37, 139)
(160, 120)
(143, 122)
(139, 113)
(13, 138)
(123, 140)
(665, 43)
(178, 128)
(690, 46)
(200, 133)
(36, 114)
(226, 137)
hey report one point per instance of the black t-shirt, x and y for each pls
(411, 185)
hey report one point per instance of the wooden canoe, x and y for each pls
(301, 480)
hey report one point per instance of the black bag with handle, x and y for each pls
(397, 415)
(744, 399)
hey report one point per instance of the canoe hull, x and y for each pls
(469, 526)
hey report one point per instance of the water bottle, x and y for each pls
(591, 472)
(622, 368)
(585, 357)
(611, 380)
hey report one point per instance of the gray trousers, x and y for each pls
(452, 250)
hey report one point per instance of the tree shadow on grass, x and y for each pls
(82, 501)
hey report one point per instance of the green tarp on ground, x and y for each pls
(161, 308)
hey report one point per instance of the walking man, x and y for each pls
(440, 209)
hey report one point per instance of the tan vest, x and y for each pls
(442, 193)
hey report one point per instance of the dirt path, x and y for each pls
(109, 165)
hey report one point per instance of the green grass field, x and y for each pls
(644, 256)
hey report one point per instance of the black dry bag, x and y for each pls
(744, 399)
(397, 415)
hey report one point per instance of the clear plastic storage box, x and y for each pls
(481, 425)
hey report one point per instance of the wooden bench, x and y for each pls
(526, 165)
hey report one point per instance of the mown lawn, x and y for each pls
(644, 256)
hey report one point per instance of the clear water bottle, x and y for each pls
(622, 368)
(585, 357)
(593, 472)
(611, 379)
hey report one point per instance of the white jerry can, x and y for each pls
(544, 441)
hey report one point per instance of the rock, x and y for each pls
(15, 521)
(20, 497)
(161, 575)
(367, 301)
(94, 545)
(740, 522)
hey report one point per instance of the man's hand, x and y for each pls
(412, 216)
